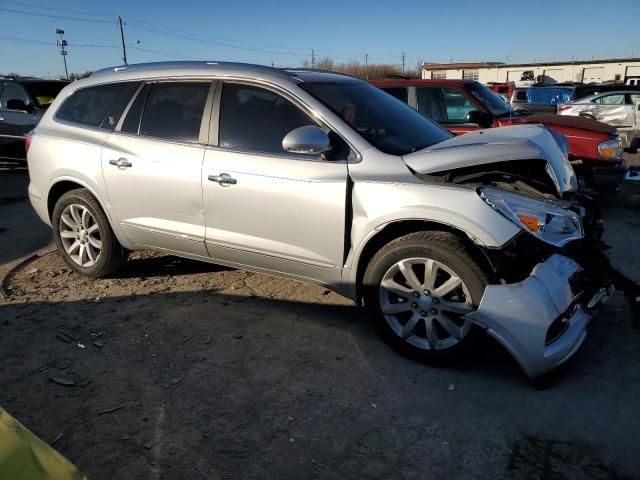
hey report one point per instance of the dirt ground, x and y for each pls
(174, 369)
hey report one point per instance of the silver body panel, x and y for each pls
(620, 115)
(299, 217)
(519, 315)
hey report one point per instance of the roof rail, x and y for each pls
(183, 64)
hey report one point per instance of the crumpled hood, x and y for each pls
(482, 147)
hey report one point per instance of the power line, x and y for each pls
(26, 40)
(209, 42)
(163, 54)
(58, 17)
(162, 30)
(134, 20)
(51, 43)
(75, 12)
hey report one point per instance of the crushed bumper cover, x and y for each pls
(520, 315)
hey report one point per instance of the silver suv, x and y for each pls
(324, 178)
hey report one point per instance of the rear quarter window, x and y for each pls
(89, 106)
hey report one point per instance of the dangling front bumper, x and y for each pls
(541, 320)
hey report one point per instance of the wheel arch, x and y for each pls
(64, 185)
(397, 229)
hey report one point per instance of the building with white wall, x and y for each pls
(598, 71)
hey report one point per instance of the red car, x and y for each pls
(461, 106)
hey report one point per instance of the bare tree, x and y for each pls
(372, 71)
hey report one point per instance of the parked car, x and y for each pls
(463, 106)
(23, 101)
(324, 178)
(613, 108)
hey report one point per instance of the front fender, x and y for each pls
(377, 205)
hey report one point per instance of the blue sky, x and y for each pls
(284, 32)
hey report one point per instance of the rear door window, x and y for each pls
(174, 110)
(89, 106)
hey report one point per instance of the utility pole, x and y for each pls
(366, 64)
(403, 59)
(62, 43)
(124, 47)
(313, 59)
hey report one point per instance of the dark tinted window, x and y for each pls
(88, 106)
(120, 103)
(387, 124)
(174, 111)
(44, 93)
(401, 93)
(256, 119)
(131, 123)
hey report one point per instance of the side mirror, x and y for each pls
(308, 140)
(482, 119)
(15, 104)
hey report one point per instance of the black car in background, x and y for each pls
(23, 101)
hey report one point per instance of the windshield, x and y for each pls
(387, 123)
(45, 93)
(490, 100)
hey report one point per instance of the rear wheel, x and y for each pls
(84, 236)
(418, 290)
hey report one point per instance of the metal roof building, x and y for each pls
(586, 71)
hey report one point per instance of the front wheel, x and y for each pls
(84, 236)
(418, 290)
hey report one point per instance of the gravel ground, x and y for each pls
(176, 369)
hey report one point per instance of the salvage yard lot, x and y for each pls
(177, 369)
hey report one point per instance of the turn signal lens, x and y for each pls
(532, 223)
(611, 149)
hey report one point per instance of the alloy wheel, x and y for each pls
(80, 235)
(425, 303)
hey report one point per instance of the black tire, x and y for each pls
(442, 247)
(112, 255)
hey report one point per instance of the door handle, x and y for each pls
(121, 163)
(223, 179)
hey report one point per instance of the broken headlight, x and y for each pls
(544, 219)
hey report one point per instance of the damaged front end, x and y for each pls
(548, 281)
(543, 296)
